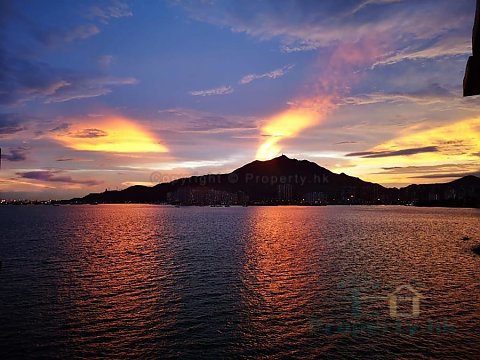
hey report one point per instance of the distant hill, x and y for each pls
(463, 192)
(290, 181)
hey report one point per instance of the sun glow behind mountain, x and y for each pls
(290, 123)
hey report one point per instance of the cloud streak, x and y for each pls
(274, 74)
(403, 152)
(35, 81)
(59, 37)
(80, 88)
(302, 46)
(309, 25)
(196, 121)
(222, 90)
(52, 176)
(114, 10)
(105, 60)
(366, 3)
(432, 94)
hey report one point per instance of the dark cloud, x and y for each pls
(51, 176)
(16, 154)
(433, 171)
(403, 152)
(445, 175)
(89, 133)
(5, 11)
(61, 127)
(10, 124)
(392, 168)
(433, 90)
(64, 159)
(345, 142)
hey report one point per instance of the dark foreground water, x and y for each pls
(127, 281)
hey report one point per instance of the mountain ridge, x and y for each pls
(283, 180)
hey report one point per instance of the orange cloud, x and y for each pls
(113, 134)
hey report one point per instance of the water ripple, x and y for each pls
(128, 281)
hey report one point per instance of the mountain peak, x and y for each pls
(282, 165)
(278, 158)
(282, 157)
(468, 179)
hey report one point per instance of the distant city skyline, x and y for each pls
(107, 94)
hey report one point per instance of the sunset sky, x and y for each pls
(106, 94)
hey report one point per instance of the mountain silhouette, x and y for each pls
(283, 180)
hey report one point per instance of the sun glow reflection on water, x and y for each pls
(133, 280)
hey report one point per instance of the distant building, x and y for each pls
(450, 194)
(433, 195)
(243, 199)
(187, 195)
(284, 192)
(313, 198)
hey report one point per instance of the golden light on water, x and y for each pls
(290, 123)
(115, 135)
